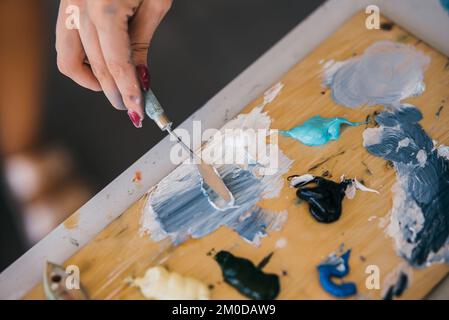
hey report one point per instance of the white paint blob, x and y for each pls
(386, 73)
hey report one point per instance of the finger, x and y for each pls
(111, 22)
(70, 52)
(91, 44)
(143, 25)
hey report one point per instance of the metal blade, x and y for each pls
(210, 176)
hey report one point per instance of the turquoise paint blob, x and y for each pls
(318, 130)
(445, 4)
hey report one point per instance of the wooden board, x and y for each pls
(118, 252)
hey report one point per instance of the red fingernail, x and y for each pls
(144, 77)
(135, 119)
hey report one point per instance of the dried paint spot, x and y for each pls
(387, 26)
(137, 177)
(72, 221)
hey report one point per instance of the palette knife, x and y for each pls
(208, 173)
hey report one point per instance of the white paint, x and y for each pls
(360, 186)
(404, 212)
(355, 185)
(403, 143)
(300, 180)
(443, 151)
(281, 243)
(372, 136)
(272, 93)
(421, 156)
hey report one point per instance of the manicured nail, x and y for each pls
(135, 118)
(144, 77)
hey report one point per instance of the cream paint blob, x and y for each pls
(160, 284)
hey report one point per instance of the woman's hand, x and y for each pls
(110, 44)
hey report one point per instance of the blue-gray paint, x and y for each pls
(317, 130)
(179, 208)
(420, 211)
(386, 73)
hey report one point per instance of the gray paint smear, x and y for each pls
(385, 74)
(180, 205)
(179, 209)
(419, 218)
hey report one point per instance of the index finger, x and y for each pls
(112, 29)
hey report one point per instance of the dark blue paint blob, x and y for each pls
(324, 198)
(336, 267)
(398, 288)
(423, 176)
(445, 4)
(248, 279)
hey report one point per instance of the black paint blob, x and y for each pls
(398, 288)
(324, 198)
(248, 279)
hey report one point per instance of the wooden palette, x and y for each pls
(119, 252)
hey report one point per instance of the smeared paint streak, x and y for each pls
(178, 208)
(396, 282)
(248, 279)
(272, 93)
(438, 113)
(158, 283)
(385, 74)
(318, 130)
(445, 4)
(398, 289)
(325, 198)
(336, 266)
(419, 221)
(319, 164)
(387, 26)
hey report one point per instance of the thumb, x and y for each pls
(142, 27)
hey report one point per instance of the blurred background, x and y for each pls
(60, 143)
